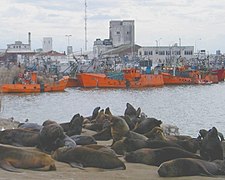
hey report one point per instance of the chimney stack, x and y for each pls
(29, 39)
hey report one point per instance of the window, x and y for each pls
(161, 52)
(188, 52)
(117, 32)
(168, 52)
(145, 53)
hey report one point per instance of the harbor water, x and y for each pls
(190, 108)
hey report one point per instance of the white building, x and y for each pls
(121, 32)
(18, 46)
(47, 44)
(166, 54)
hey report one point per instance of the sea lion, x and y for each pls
(95, 113)
(102, 148)
(156, 157)
(103, 135)
(83, 140)
(51, 137)
(74, 127)
(211, 147)
(19, 137)
(203, 133)
(47, 122)
(147, 125)
(87, 157)
(30, 126)
(119, 147)
(119, 128)
(107, 111)
(12, 157)
(190, 167)
(132, 113)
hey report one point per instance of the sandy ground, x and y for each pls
(64, 171)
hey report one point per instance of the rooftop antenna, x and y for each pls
(85, 23)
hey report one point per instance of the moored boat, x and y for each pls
(128, 78)
(34, 87)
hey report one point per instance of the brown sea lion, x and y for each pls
(107, 111)
(190, 167)
(156, 157)
(12, 157)
(211, 147)
(87, 157)
(119, 128)
(47, 122)
(19, 137)
(101, 148)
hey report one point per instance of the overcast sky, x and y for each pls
(196, 22)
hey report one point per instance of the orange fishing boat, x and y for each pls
(34, 87)
(73, 82)
(128, 78)
(180, 76)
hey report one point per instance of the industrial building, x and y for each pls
(166, 54)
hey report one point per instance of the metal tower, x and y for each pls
(85, 24)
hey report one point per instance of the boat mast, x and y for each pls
(85, 24)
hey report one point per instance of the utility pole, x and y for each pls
(85, 24)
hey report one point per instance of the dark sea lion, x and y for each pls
(130, 110)
(19, 137)
(203, 133)
(119, 147)
(83, 140)
(147, 125)
(132, 113)
(93, 126)
(129, 122)
(74, 127)
(51, 137)
(156, 157)
(189, 167)
(211, 147)
(95, 113)
(87, 157)
(191, 145)
(103, 135)
(154, 144)
(12, 157)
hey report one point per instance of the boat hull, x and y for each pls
(176, 80)
(35, 88)
(91, 80)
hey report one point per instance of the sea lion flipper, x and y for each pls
(8, 167)
(76, 165)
